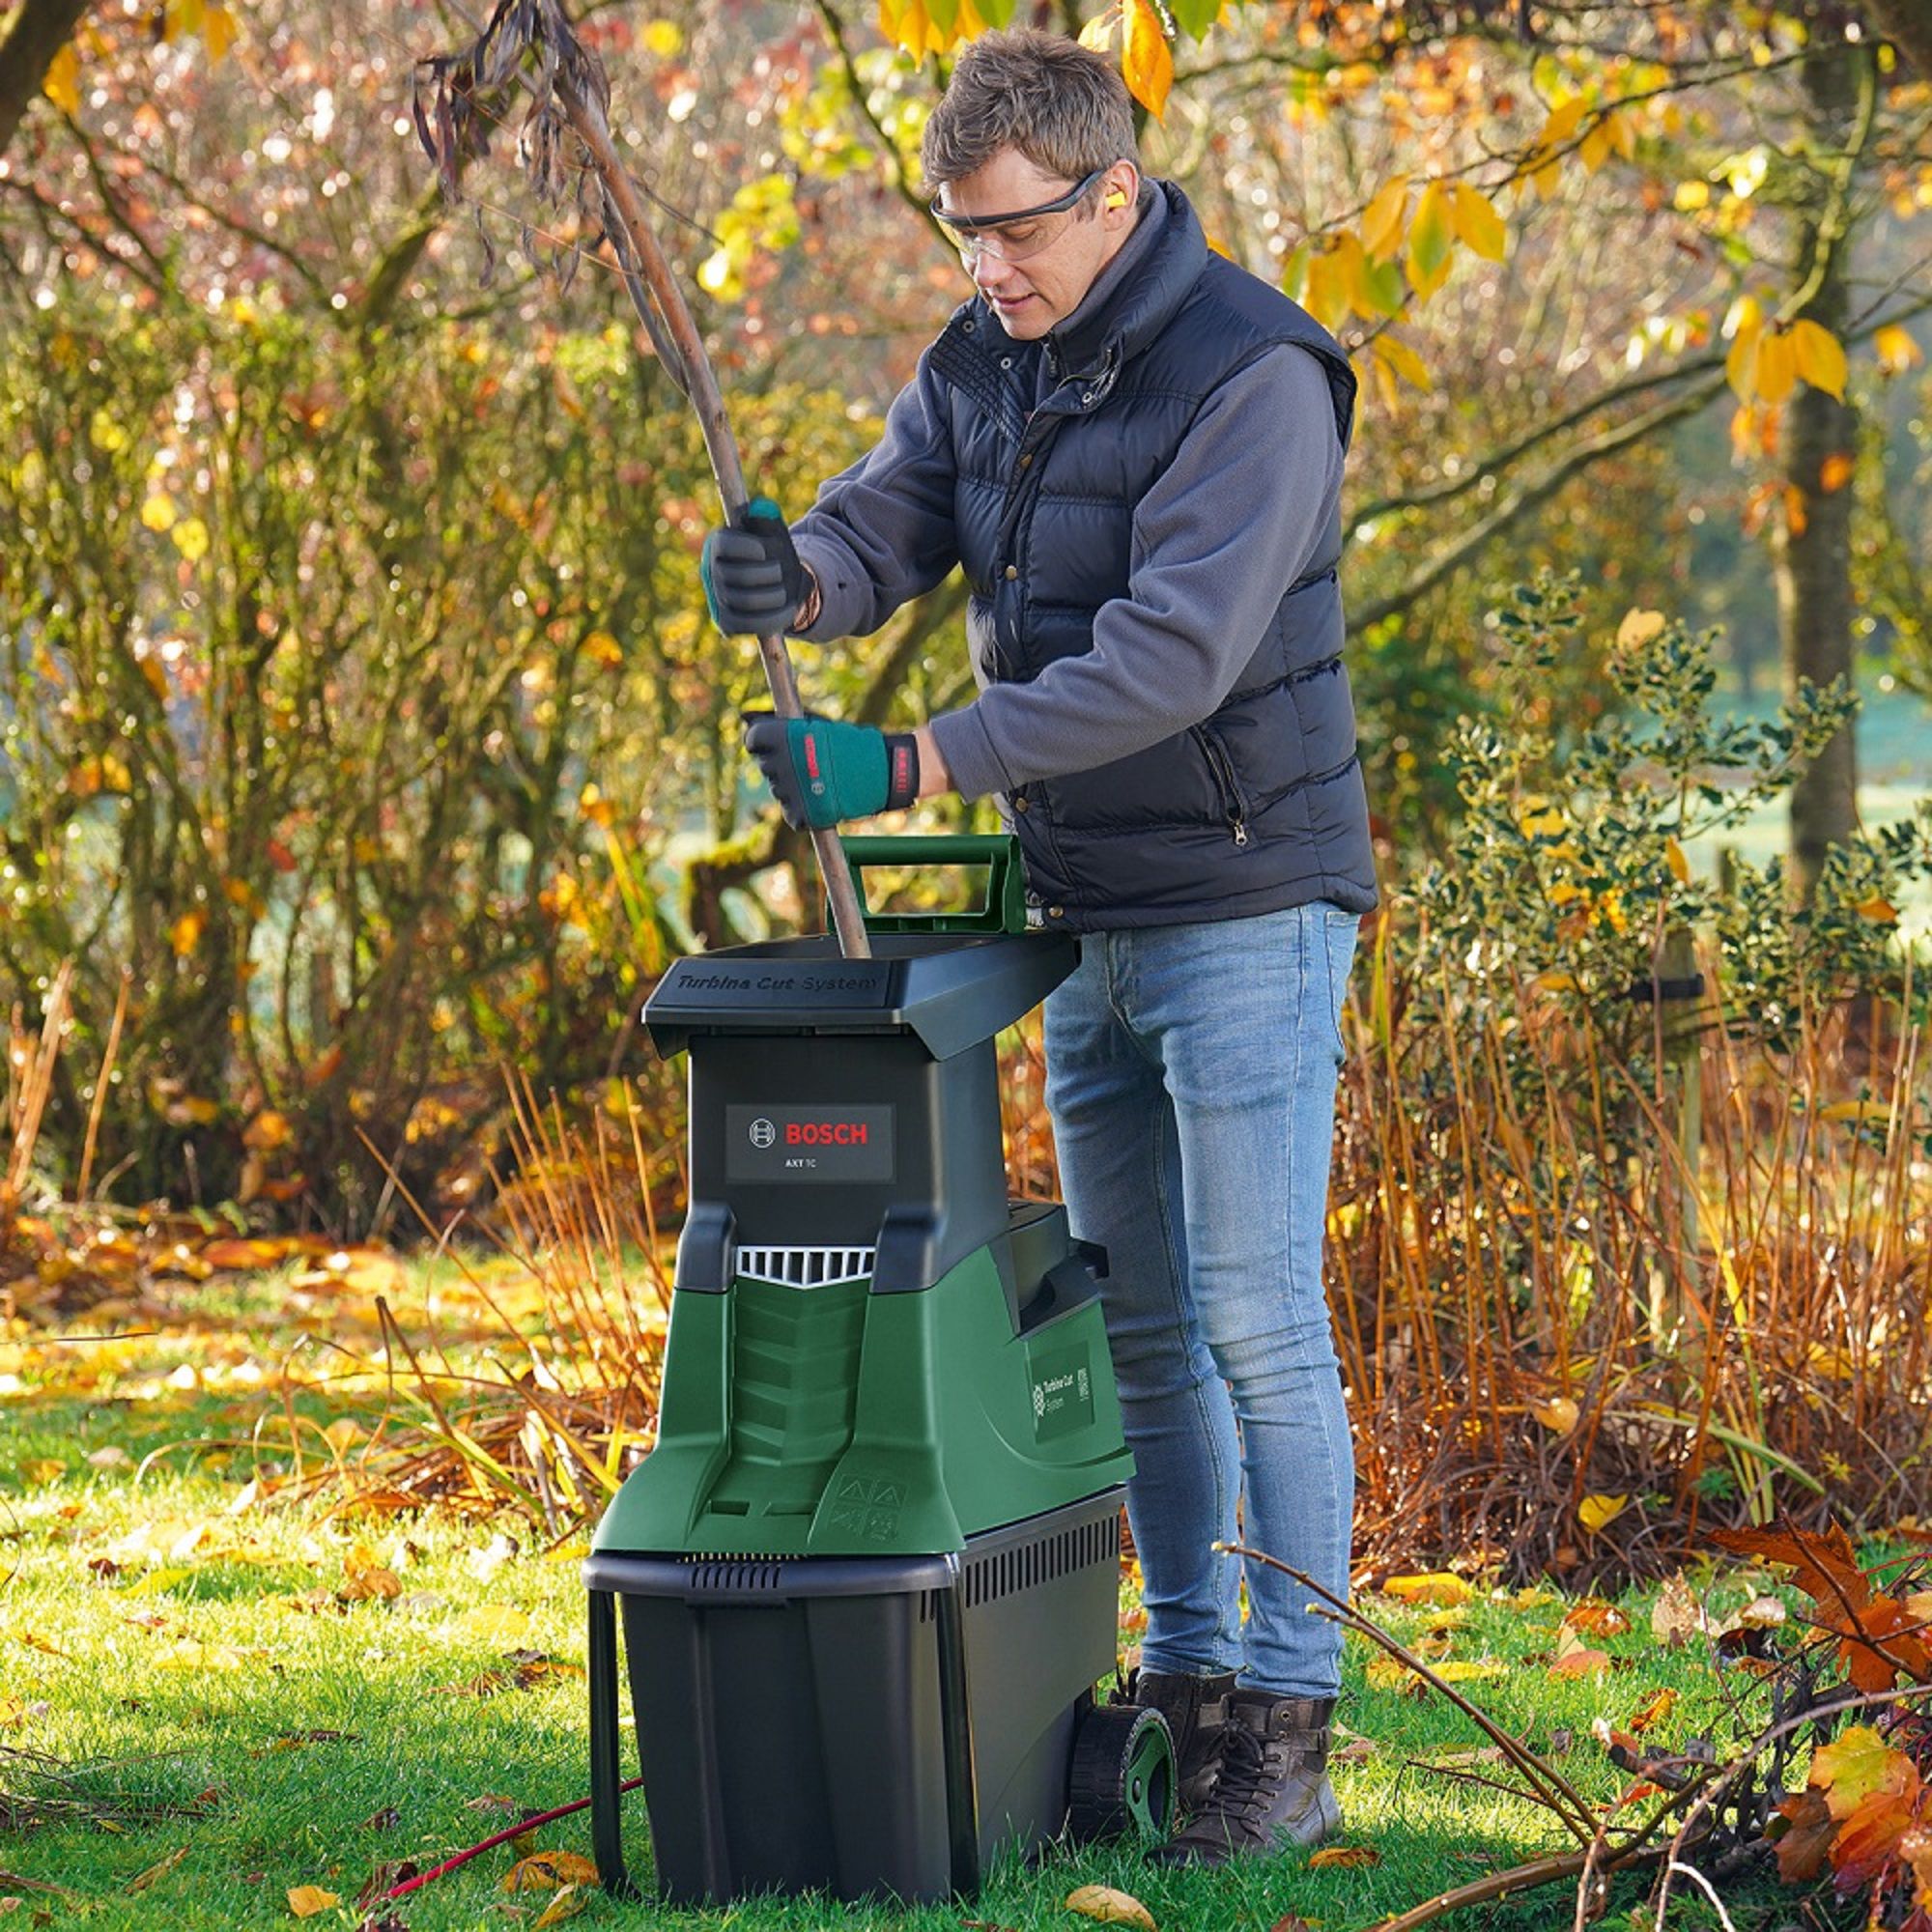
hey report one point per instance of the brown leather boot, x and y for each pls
(1196, 1710)
(1272, 1788)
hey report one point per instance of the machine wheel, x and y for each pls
(1122, 1776)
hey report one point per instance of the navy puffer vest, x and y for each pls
(1260, 806)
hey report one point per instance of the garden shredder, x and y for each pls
(867, 1575)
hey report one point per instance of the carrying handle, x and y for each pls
(1004, 909)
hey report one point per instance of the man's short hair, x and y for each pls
(1063, 106)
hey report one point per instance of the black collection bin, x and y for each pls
(863, 1727)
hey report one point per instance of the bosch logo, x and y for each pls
(773, 1142)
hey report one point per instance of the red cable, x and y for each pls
(499, 1839)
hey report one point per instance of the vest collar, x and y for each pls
(1127, 309)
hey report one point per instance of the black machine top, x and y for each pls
(950, 992)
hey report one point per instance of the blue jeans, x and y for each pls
(1191, 1077)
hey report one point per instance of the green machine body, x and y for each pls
(872, 1349)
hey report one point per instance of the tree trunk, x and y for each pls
(1908, 25)
(37, 31)
(1813, 546)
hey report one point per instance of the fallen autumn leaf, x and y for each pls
(1439, 1587)
(1346, 1857)
(567, 1904)
(143, 1880)
(545, 1871)
(1110, 1907)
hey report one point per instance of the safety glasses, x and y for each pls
(1012, 238)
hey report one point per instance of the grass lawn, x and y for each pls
(193, 1722)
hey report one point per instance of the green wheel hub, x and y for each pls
(1150, 1781)
(1122, 1778)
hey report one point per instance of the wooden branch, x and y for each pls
(98, 1105)
(835, 32)
(1529, 497)
(924, 615)
(39, 31)
(396, 262)
(258, 238)
(1510, 453)
(110, 200)
(35, 1087)
(1835, 223)
(1480, 1890)
(1554, 1791)
(1908, 25)
(1498, 1886)
(91, 230)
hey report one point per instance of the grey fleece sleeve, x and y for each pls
(881, 533)
(1216, 541)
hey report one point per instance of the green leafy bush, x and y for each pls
(350, 690)
(1608, 1265)
(1568, 867)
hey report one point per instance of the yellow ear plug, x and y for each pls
(1116, 199)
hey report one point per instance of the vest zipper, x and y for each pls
(1224, 781)
(1022, 489)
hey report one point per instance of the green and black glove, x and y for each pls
(751, 575)
(822, 772)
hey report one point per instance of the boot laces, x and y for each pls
(1240, 1788)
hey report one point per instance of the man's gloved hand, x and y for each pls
(822, 772)
(752, 579)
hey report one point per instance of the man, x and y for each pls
(1134, 449)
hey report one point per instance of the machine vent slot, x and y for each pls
(992, 1576)
(710, 1574)
(805, 1267)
